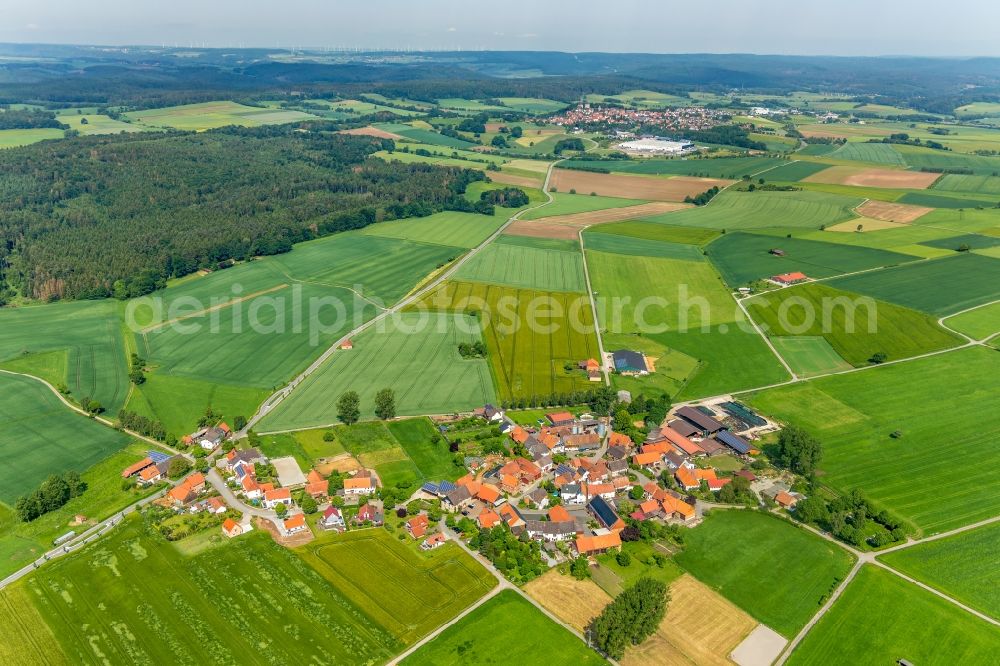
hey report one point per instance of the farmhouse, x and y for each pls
(537, 498)
(245, 456)
(595, 545)
(488, 519)
(332, 519)
(489, 494)
(134, 469)
(364, 485)
(370, 513)
(682, 443)
(786, 279)
(457, 498)
(417, 526)
(231, 528)
(605, 514)
(215, 505)
(148, 475)
(560, 418)
(628, 362)
(690, 478)
(433, 541)
(273, 498)
(295, 524)
(187, 490)
(548, 530)
(572, 494)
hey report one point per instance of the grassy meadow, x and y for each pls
(518, 265)
(733, 211)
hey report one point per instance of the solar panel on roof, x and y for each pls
(157, 457)
(734, 442)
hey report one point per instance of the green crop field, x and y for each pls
(426, 449)
(658, 232)
(809, 355)
(12, 138)
(919, 158)
(929, 401)
(420, 135)
(742, 258)
(133, 598)
(962, 566)
(209, 115)
(778, 573)
(77, 344)
(817, 149)
(876, 153)
(940, 286)
(526, 359)
(517, 265)
(97, 124)
(980, 323)
(720, 167)
(793, 171)
(855, 328)
(942, 199)
(506, 629)
(463, 230)
(683, 306)
(40, 436)
(533, 105)
(964, 183)
(966, 241)
(408, 593)
(754, 210)
(20, 543)
(881, 618)
(641, 247)
(568, 204)
(415, 354)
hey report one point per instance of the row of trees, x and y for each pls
(704, 197)
(349, 406)
(54, 492)
(142, 425)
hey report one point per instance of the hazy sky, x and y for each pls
(834, 27)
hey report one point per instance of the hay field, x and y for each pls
(575, 602)
(892, 212)
(633, 187)
(700, 627)
(861, 177)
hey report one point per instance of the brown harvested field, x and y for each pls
(542, 229)
(861, 177)
(575, 602)
(637, 212)
(892, 212)
(653, 188)
(344, 462)
(371, 131)
(700, 627)
(512, 179)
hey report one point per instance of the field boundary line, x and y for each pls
(214, 308)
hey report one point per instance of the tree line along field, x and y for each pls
(514, 264)
(742, 258)
(755, 210)
(689, 310)
(940, 399)
(496, 633)
(856, 328)
(940, 287)
(780, 576)
(41, 436)
(962, 566)
(415, 354)
(525, 360)
(881, 618)
(407, 593)
(77, 344)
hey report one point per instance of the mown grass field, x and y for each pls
(979, 323)
(722, 167)
(754, 210)
(881, 618)
(463, 230)
(938, 399)
(941, 287)
(497, 633)
(132, 598)
(20, 543)
(962, 566)
(778, 573)
(518, 265)
(209, 115)
(405, 591)
(97, 124)
(77, 344)
(432, 458)
(12, 138)
(40, 436)
(742, 258)
(417, 357)
(855, 328)
(525, 359)
(809, 355)
(682, 305)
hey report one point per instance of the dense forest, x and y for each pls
(79, 215)
(28, 119)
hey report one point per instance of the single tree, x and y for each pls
(385, 404)
(348, 408)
